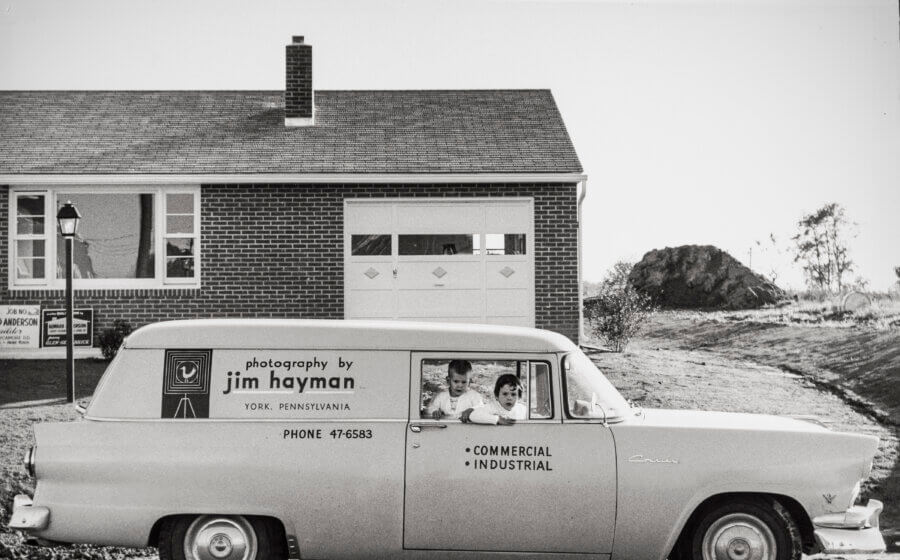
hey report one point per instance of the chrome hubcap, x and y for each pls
(220, 545)
(220, 538)
(739, 536)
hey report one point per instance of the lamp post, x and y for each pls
(67, 218)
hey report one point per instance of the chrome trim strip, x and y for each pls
(259, 420)
(310, 420)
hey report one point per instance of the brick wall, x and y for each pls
(277, 251)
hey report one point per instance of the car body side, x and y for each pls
(110, 478)
(671, 462)
(109, 482)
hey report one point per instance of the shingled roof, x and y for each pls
(243, 132)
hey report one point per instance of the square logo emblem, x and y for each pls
(186, 379)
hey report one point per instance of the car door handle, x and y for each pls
(418, 427)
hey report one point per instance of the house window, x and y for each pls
(117, 246)
(127, 238)
(29, 238)
(181, 237)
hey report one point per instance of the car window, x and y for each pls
(443, 387)
(589, 395)
(540, 396)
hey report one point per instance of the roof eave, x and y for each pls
(245, 178)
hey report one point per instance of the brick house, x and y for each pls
(425, 205)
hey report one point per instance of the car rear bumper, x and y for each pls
(854, 531)
(26, 516)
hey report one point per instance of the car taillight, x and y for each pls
(29, 461)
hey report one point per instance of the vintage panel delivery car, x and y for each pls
(257, 439)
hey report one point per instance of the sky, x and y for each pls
(713, 122)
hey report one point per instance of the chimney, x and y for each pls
(298, 90)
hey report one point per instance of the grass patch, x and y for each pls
(40, 380)
(879, 315)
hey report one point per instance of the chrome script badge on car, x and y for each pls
(642, 459)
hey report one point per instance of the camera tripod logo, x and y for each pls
(186, 384)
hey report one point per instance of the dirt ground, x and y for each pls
(683, 361)
(858, 364)
(843, 372)
(860, 358)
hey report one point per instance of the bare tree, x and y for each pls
(821, 246)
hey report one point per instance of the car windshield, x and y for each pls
(588, 393)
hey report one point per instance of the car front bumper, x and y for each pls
(854, 531)
(27, 516)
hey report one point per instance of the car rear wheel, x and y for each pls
(220, 537)
(744, 530)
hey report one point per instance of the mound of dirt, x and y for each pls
(701, 277)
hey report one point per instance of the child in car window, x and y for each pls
(458, 396)
(503, 411)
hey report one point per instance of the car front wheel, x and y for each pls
(745, 530)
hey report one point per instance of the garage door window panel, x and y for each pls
(370, 245)
(505, 244)
(439, 244)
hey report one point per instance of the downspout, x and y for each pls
(581, 196)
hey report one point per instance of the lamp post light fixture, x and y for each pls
(68, 218)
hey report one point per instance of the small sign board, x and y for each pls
(53, 327)
(20, 326)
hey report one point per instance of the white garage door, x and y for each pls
(470, 261)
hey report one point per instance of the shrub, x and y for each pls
(111, 339)
(619, 311)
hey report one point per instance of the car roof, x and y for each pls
(345, 334)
